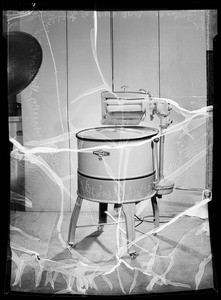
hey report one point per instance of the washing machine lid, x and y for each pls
(117, 134)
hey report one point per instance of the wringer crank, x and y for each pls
(130, 168)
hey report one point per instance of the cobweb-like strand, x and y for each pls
(78, 271)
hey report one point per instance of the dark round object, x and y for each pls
(24, 60)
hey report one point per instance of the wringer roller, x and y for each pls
(121, 163)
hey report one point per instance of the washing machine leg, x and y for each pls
(102, 216)
(129, 211)
(73, 221)
(155, 207)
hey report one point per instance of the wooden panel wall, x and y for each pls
(44, 112)
(183, 79)
(163, 52)
(84, 77)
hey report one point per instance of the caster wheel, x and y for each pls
(117, 207)
(133, 255)
(100, 227)
(72, 245)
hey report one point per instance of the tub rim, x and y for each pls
(117, 140)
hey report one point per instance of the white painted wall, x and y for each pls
(169, 61)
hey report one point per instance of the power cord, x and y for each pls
(148, 221)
